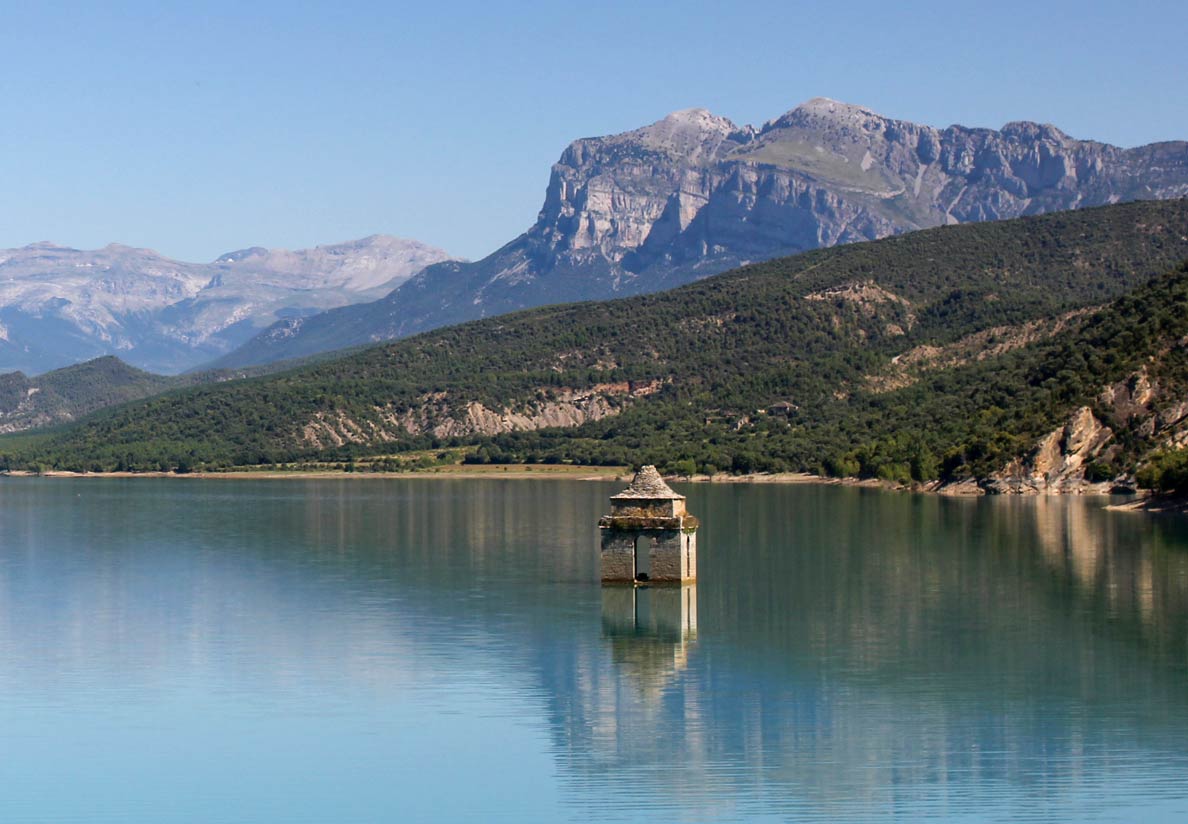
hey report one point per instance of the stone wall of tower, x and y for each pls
(666, 550)
(618, 555)
(672, 554)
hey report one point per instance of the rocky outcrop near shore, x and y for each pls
(1060, 461)
(442, 417)
(1080, 457)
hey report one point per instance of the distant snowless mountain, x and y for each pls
(60, 306)
(694, 194)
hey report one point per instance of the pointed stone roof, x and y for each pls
(648, 485)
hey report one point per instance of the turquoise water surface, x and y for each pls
(440, 650)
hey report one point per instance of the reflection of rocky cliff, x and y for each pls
(1136, 574)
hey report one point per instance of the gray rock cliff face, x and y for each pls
(694, 194)
(695, 187)
(59, 306)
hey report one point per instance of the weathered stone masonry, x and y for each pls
(648, 536)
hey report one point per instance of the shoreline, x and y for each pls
(523, 471)
(1143, 502)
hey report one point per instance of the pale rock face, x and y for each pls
(693, 186)
(436, 415)
(1060, 459)
(371, 263)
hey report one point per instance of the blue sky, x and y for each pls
(196, 129)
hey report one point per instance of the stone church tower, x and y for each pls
(648, 536)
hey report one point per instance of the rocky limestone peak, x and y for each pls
(648, 484)
(836, 109)
(370, 248)
(376, 240)
(690, 136)
(833, 141)
(688, 123)
(694, 135)
(384, 244)
(371, 266)
(824, 112)
(362, 244)
(168, 315)
(120, 248)
(693, 194)
(1026, 130)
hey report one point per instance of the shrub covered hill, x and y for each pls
(72, 392)
(1025, 354)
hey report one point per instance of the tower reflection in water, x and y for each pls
(650, 630)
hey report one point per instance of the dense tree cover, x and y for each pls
(764, 368)
(1166, 472)
(961, 422)
(74, 391)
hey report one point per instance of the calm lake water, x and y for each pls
(440, 650)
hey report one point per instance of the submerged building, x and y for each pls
(648, 535)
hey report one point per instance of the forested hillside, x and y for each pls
(67, 394)
(72, 392)
(942, 353)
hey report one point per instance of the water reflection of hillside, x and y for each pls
(905, 650)
(846, 650)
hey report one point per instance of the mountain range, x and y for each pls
(60, 306)
(1034, 354)
(694, 194)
